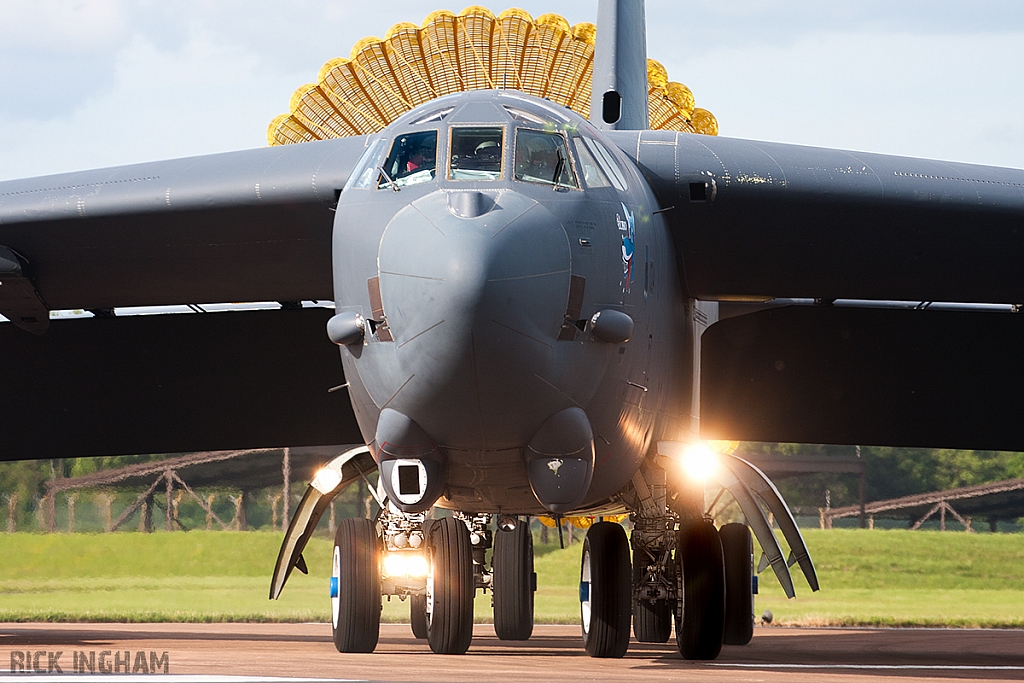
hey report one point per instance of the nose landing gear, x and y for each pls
(355, 586)
(438, 564)
(450, 587)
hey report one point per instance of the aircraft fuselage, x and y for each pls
(479, 279)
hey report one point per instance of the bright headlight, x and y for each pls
(699, 462)
(405, 564)
(417, 566)
(326, 480)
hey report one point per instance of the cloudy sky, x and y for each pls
(91, 83)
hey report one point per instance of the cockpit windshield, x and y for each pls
(476, 154)
(413, 160)
(543, 157)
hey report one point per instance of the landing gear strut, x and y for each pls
(653, 598)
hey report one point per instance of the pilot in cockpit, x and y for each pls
(423, 158)
(488, 154)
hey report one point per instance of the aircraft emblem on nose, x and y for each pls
(627, 226)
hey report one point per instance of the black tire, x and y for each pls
(418, 603)
(450, 587)
(605, 595)
(738, 551)
(356, 609)
(700, 629)
(514, 582)
(418, 616)
(652, 621)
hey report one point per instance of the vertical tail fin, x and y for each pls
(619, 94)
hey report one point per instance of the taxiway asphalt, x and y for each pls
(554, 653)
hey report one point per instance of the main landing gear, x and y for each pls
(437, 565)
(684, 571)
(450, 587)
(702, 582)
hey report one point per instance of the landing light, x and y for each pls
(326, 480)
(406, 564)
(699, 462)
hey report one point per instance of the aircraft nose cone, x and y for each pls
(475, 305)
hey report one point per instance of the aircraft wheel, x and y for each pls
(355, 591)
(418, 603)
(451, 587)
(418, 616)
(738, 550)
(513, 583)
(605, 591)
(652, 621)
(700, 628)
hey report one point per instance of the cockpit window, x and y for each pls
(593, 176)
(476, 154)
(363, 174)
(607, 163)
(525, 116)
(543, 157)
(433, 116)
(413, 160)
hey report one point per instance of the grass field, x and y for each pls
(868, 578)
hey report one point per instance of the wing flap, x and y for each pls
(172, 384)
(828, 374)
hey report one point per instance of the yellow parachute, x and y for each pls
(449, 53)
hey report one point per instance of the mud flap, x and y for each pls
(331, 479)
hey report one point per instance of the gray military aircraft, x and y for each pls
(536, 315)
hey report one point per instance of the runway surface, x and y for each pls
(275, 652)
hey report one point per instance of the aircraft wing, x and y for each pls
(760, 220)
(242, 226)
(237, 227)
(773, 220)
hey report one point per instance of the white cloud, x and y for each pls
(946, 96)
(201, 98)
(61, 27)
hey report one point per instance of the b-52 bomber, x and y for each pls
(536, 315)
